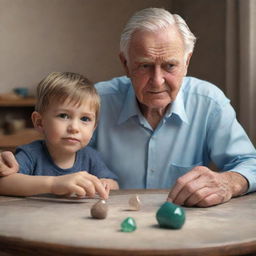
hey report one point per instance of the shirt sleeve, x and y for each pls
(229, 146)
(24, 160)
(99, 168)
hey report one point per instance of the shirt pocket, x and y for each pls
(177, 170)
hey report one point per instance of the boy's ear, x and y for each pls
(37, 121)
(124, 63)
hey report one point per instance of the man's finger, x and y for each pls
(188, 190)
(199, 196)
(181, 182)
(212, 199)
(9, 159)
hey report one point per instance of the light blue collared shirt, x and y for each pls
(200, 126)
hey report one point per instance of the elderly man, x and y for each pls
(161, 129)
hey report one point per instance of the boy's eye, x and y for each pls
(63, 115)
(85, 119)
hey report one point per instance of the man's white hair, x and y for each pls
(153, 19)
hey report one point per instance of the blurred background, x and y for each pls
(38, 37)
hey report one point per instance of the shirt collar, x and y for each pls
(178, 108)
(130, 107)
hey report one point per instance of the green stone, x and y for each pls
(128, 225)
(171, 216)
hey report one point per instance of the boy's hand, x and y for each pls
(110, 184)
(80, 183)
(8, 163)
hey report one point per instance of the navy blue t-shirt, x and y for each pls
(34, 159)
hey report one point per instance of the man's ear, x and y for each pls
(187, 63)
(124, 63)
(37, 121)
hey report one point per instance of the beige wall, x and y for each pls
(207, 20)
(37, 37)
(40, 36)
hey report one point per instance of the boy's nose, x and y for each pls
(73, 127)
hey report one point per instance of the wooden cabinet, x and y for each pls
(17, 109)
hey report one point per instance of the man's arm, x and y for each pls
(8, 163)
(80, 183)
(203, 187)
(230, 149)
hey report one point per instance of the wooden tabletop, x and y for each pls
(49, 225)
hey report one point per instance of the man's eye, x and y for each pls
(63, 116)
(85, 119)
(145, 66)
(168, 67)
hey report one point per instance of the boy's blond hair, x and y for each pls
(61, 86)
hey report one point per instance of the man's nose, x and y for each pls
(158, 76)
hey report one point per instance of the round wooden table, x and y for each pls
(46, 225)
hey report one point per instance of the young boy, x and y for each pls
(66, 114)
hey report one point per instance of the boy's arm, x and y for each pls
(19, 184)
(80, 183)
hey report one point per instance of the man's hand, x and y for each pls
(203, 187)
(80, 183)
(8, 163)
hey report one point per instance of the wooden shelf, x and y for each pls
(22, 102)
(10, 142)
(17, 108)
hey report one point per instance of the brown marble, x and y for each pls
(99, 210)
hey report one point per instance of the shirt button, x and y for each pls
(152, 170)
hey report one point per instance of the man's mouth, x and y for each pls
(156, 92)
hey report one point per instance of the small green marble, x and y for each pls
(128, 225)
(171, 216)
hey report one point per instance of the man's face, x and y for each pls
(156, 65)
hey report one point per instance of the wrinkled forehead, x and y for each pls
(164, 43)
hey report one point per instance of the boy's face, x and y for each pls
(67, 127)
